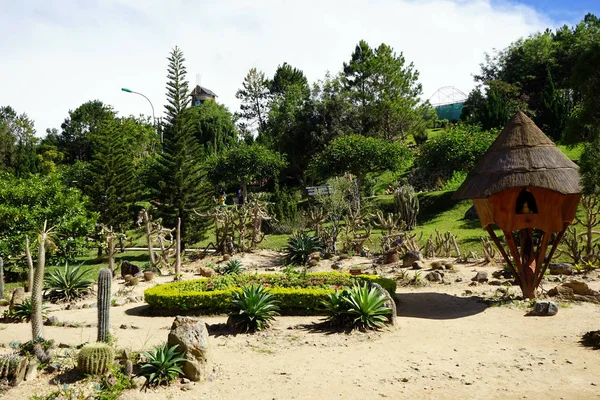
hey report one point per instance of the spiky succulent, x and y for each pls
(163, 365)
(300, 246)
(253, 308)
(67, 283)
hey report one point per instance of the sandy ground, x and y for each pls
(446, 346)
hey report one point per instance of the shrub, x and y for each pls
(457, 179)
(253, 308)
(300, 246)
(22, 312)
(163, 365)
(68, 283)
(232, 267)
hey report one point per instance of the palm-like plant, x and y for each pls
(163, 365)
(300, 246)
(232, 267)
(366, 307)
(23, 311)
(68, 283)
(253, 308)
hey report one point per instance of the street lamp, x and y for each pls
(153, 117)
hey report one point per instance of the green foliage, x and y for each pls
(300, 246)
(253, 308)
(336, 308)
(95, 358)
(359, 307)
(406, 204)
(23, 311)
(254, 97)
(17, 143)
(25, 203)
(457, 179)
(68, 283)
(590, 166)
(213, 126)
(28, 349)
(454, 150)
(232, 267)
(297, 293)
(112, 389)
(162, 366)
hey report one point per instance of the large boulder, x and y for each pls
(575, 290)
(560, 269)
(391, 256)
(544, 308)
(481, 277)
(411, 257)
(191, 336)
(390, 303)
(18, 297)
(128, 268)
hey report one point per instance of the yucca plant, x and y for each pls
(232, 267)
(23, 311)
(366, 308)
(68, 283)
(163, 365)
(336, 308)
(300, 246)
(253, 308)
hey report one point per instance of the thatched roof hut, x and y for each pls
(521, 156)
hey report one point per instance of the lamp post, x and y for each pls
(151, 105)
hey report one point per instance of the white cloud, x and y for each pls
(58, 54)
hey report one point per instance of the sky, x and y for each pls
(58, 54)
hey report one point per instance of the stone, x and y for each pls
(191, 336)
(458, 280)
(139, 381)
(411, 257)
(185, 380)
(119, 302)
(206, 272)
(436, 265)
(313, 262)
(124, 326)
(560, 269)
(449, 266)
(544, 308)
(19, 373)
(148, 276)
(53, 367)
(417, 265)
(315, 256)
(580, 288)
(51, 321)
(85, 306)
(482, 276)
(135, 327)
(18, 297)
(336, 265)
(495, 283)
(131, 299)
(471, 213)
(391, 256)
(187, 386)
(390, 303)
(434, 277)
(32, 369)
(128, 268)
(4, 302)
(344, 257)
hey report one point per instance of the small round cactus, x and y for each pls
(95, 358)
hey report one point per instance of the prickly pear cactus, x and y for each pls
(104, 283)
(95, 358)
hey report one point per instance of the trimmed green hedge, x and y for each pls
(296, 294)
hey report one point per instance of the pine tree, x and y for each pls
(181, 187)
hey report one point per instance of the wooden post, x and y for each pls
(178, 251)
(146, 218)
(496, 241)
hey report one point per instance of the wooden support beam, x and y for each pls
(496, 241)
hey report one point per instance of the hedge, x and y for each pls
(300, 299)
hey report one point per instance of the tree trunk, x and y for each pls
(178, 251)
(37, 326)
(245, 192)
(29, 265)
(149, 238)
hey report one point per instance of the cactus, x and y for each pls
(104, 282)
(1, 278)
(37, 326)
(407, 205)
(95, 358)
(10, 366)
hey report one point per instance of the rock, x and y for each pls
(139, 381)
(313, 262)
(458, 280)
(270, 269)
(185, 380)
(336, 265)
(449, 266)
(344, 257)
(391, 257)
(191, 336)
(133, 281)
(148, 275)
(131, 300)
(135, 327)
(73, 306)
(124, 326)
(118, 302)
(434, 277)
(481, 277)
(544, 308)
(411, 257)
(128, 268)
(226, 257)
(206, 272)
(495, 283)
(32, 369)
(390, 303)
(4, 302)
(51, 321)
(187, 386)
(315, 256)
(560, 269)
(580, 288)
(436, 265)
(19, 374)
(416, 265)
(471, 213)
(18, 297)
(85, 306)
(53, 367)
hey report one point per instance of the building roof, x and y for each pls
(202, 90)
(521, 156)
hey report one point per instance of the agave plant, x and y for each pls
(253, 308)
(336, 307)
(300, 246)
(366, 308)
(163, 365)
(68, 283)
(232, 267)
(23, 311)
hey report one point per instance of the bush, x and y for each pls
(68, 283)
(253, 308)
(359, 307)
(457, 179)
(297, 294)
(300, 246)
(163, 365)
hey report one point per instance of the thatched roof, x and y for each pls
(520, 156)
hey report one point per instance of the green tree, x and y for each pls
(244, 164)
(17, 142)
(359, 156)
(180, 186)
(254, 97)
(213, 126)
(286, 76)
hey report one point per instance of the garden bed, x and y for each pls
(297, 293)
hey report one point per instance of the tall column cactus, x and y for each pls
(29, 265)
(104, 283)
(37, 326)
(1, 278)
(407, 205)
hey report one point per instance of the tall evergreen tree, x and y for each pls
(180, 185)
(254, 96)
